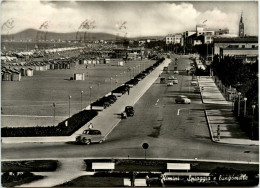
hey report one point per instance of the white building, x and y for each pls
(174, 39)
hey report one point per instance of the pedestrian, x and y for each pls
(132, 178)
(128, 90)
(90, 126)
(147, 180)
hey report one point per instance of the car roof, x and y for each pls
(92, 130)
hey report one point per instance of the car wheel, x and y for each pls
(84, 140)
(88, 142)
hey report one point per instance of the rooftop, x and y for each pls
(236, 40)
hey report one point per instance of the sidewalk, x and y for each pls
(107, 119)
(230, 131)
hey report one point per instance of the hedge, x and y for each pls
(73, 123)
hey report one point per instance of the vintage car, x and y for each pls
(175, 81)
(89, 136)
(170, 83)
(182, 99)
(129, 110)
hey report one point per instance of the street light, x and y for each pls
(238, 109)
(252, 125)
(69, 105)
(90, 97)
(245, 99)
(111, 84)
(54, 113)
(81, 98)
(232, 100)
(98, 88)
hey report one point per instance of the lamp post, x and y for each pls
(238, 109)
(90, 97)
(252, 125)
(81, 93)
(111, 84)
(54, 113)
(232, 100)
(69, 105)
(98, 88)
(245, 99)
(105, 85)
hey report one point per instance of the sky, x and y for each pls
(141, 18)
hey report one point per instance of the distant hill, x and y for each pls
(32, 34)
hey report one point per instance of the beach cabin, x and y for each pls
(7, 75)
(23, 72)
(29, 72)
(16, 76)
(79, 76)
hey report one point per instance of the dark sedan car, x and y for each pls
(129, 110)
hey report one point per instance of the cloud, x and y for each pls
(143, 18)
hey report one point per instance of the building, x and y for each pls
(245, 48)
(221, 32)
(174, 39)
(241, 27)
(245, 54)
(201, 30)
(235, 42)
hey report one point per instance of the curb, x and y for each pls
(209, 126)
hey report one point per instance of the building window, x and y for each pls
(243, 46)
(253, 46)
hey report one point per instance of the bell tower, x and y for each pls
(241, 27)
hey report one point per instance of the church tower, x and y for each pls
(241, 27)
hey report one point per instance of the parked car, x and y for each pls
(194, 83)
(175, 81)
(129, 110)
(183, 99)
(176, 72)
(198, 87)
(170, 84)
(89, 136)
(170, 77)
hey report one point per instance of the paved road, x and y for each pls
(156, 122)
